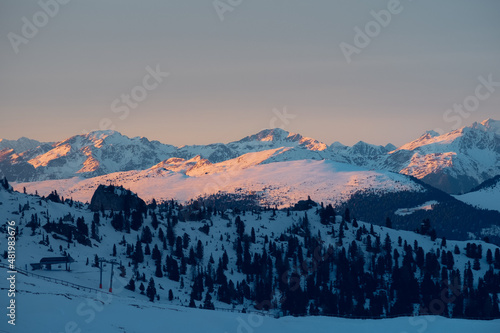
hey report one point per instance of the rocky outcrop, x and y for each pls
(115, 198)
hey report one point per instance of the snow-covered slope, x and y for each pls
(47, 306)
(281, 183)
(44, 306)
(486, 196)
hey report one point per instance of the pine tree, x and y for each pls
(158, 272)
(178, 247)
(497, 259)
(171, 236)
(192, 257)
(117, 222)
(225, 260)
(146, 235)
(94, 230)
(387, 244)
(154, 221)
(185, 241)
(240, 226)
(489, 257)
(151, 290)
(156, 254)
(207, 303)
(199, 250)
(192, 304)
(476, 266)
(138, 254)
(347, 215)
(82, 226)
(137, 220)
(131, 285)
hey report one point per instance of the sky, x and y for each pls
(205, 71)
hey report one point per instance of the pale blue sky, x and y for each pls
(226, 77)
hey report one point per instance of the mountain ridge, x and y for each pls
(454, 162)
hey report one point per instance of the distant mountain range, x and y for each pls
(454, 162)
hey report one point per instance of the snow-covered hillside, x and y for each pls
(48, 307)
(486, 197)
(217, 235)
(280, 183)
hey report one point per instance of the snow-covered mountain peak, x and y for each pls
(274, 134)
(278, 135)
(368, 149)
(429, 139)
(488, 125)
(100, 134)
(390, 147)
(337, 145)
(94, 138)
(458, 137)
(20, 145)
(431, 133)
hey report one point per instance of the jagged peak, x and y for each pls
(390, 147)
(363, 144)
(100, 134)
(272, 134)
(280, 135)
(488, 125)
(337, 144)
(431, 134)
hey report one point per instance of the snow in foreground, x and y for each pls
(44, 306)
